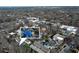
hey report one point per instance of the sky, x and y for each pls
(39, 3)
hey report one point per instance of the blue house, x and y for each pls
(26, 33)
